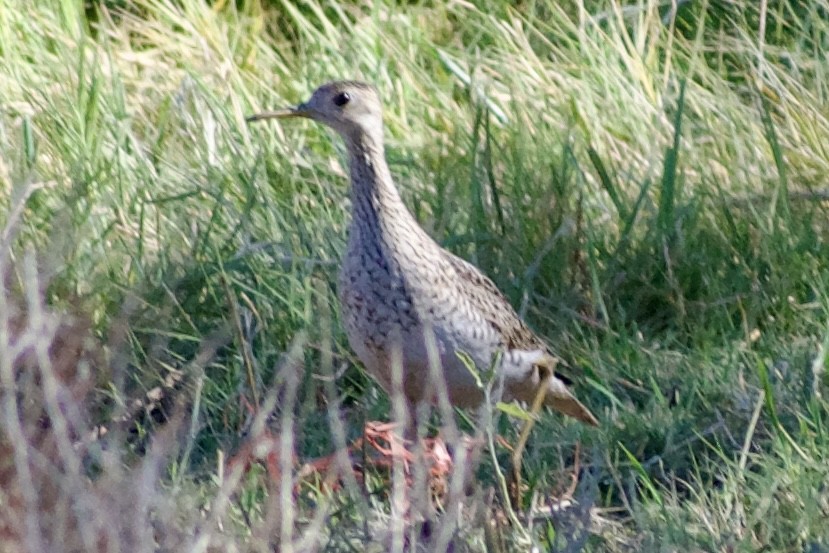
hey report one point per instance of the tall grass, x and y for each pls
(644, 180)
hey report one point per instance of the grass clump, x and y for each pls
(645, 182)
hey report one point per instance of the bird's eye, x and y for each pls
(342, 98)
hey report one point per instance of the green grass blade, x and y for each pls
(670, 172)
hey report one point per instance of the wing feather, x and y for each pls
(497, 311)
(488, 300)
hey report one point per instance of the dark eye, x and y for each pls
(342, 98)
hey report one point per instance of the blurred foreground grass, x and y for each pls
(646, 181)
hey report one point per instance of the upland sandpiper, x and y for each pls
(403, 296)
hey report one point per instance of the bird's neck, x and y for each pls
(375, 200)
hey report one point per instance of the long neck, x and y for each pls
(376, 203)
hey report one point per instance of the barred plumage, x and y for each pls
(398, 287)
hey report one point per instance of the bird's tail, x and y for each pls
(572, 407)
(561, 399)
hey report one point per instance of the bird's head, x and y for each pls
(352, 108)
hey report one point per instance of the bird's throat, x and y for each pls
(375, 199)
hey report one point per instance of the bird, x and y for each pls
(405, 299)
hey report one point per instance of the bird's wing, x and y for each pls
(495, 308)
(487, 300)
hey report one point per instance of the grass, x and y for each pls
(646, 183)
